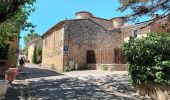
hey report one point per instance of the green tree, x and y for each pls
(39, 54)
(30, 37)
(14, 15)
(148, 59)
(145, 7)
(34, 57)
(8, 8)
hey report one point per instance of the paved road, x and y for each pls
(81, 85)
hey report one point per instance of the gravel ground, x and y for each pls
(77, 85)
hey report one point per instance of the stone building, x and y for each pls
(34, 44)
(72, 44)
(162, 25)
(9, 55)
(89, 41)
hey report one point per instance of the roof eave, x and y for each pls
(56, 25)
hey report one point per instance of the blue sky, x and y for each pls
(49, 12)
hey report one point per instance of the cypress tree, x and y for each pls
(34, 58)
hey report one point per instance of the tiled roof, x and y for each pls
(107, 24)
(145, 23)
(56, 25)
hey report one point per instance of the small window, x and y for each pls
(136, 33)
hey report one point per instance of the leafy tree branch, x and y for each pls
(13, 18)
(144, 7)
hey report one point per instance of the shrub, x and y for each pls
(104, 67)
(34, 58)
(39, 51)
(26, 50)
(39, 55)
(12, 58)
(149, 59)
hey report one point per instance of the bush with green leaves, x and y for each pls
(34, 57)
(14, 18)
(39, 55)
(149, 59)
(104, 67)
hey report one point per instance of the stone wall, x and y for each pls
(31, 47)
(108, 67)
(128, 31)
(52, 55)
(160, 26)
(112, 67)
(30, 52)
(83, 35)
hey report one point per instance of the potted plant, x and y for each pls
(12, 57)
(10, 76)
(3, 88)
(149, 65)
(11, 73)
(15, 70)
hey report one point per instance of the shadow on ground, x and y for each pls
(109, 87)
(106, 88)
(15, 91)
(37, 72)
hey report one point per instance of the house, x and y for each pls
(162, 25)
(9, 55)
(83, 43)
(34, 44)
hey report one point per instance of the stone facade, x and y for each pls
(36, 43)
(83, 35)
(65, 45)
(53, 48)
(146, 27)
(161, 26)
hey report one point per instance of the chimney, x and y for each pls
(83, 15)
(155, 16)
(118, 22)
